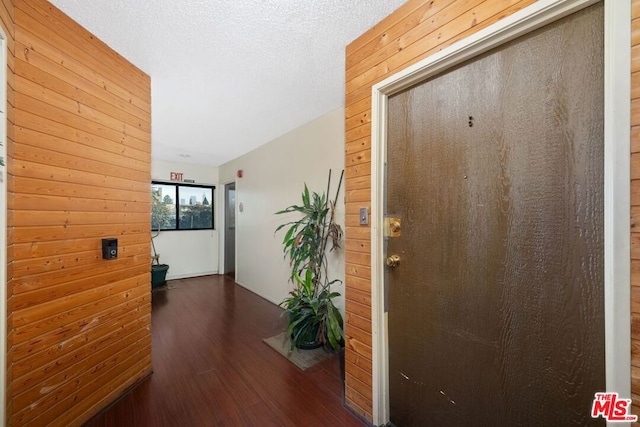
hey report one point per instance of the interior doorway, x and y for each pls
(495, 172)
(616, 177)
(230, 229)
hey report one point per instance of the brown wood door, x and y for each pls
(495, 169)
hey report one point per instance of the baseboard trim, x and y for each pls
(191, 275)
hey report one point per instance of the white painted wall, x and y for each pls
(274, 177)
(189, 253)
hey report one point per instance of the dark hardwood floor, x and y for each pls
(211, 367)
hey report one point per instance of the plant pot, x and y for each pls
(158, 275)
(311, 343)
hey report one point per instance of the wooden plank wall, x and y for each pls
(8, 26)
(80, 169)
(416, 30)
(635, 206)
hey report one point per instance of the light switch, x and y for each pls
(364, 216)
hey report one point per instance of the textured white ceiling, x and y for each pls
(230, 75)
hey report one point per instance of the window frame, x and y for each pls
(177, 185)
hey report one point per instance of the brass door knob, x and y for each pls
(393, 261)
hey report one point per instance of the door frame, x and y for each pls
(617, 178)
(224, 236)
(223, 225)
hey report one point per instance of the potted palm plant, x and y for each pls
(314, 320)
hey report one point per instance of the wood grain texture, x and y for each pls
(8, 25)
(413, 32)
(48, 23)
(635, 201)
(212, 368)
(470, 289)
(79, 170)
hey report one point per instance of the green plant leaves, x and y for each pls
(305, 243)
(334, 331)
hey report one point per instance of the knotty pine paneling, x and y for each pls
(79, 170)
(358, 309)
(416, 30)
(635, 209)
(8, 26)
(46, 22)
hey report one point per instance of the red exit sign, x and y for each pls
(176, 176)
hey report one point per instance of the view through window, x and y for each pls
(181, 207)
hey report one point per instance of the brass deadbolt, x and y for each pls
(392, 227)
(393, 261)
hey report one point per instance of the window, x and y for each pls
(181, 206)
